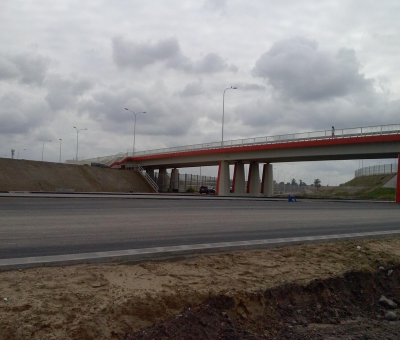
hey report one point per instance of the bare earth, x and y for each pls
(128, 301)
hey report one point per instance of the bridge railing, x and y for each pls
(303, 136)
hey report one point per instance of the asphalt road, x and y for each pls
(46, 226)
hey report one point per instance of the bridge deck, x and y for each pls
(314, 138)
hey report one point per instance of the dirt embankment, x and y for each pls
(23, 175)
(298, 292)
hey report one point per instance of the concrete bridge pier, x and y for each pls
(163, 180)
(174, 180)
(239, 183)
(267, 182)
(253, 182)
(223, 182)
(150, 172)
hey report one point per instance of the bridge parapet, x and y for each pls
(303, 136)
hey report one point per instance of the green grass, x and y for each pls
(382, 193)
(369, 181)
(368, 187)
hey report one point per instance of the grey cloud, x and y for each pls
(19, 113)
(192, 89)
(135, 55)
(297, 69)
(32, 68)
(168, 51)
(165, 115)
(8, 70)
(215, 5)
(251, 87)
(271, 115)
(211, 63)
(64, 92)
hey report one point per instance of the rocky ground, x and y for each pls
(339, 290)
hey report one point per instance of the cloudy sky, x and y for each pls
(298, 65)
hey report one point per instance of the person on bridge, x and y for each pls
(333, 131)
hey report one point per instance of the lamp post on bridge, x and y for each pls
(77, 140)
(134, 129)
(223, 111)
(18, 152)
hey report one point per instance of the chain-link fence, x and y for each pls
(189, 182)
(282, 188)
(376, 170)
(193, 182)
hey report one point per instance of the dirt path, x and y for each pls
(111, 301)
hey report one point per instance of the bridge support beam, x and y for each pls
(267, 182)
(398, 181)
(162, 180)
(223, 185)
(174, 180)
(253, 181)
(239, 183)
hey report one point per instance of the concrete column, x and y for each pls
(174, 180)
(163, 180)
(239, 183)
(398, 181)
(267, 182)
(223, 185)
(150, 172)
(253, 181)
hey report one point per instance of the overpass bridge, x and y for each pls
(371, 142)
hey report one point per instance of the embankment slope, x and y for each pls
(24, 175)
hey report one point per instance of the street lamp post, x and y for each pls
(47, 141)
(60, 148)
(284, 181)
(223, 111)
(77, 140)
(18, 153)
(134, 129)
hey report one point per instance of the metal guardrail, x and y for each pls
(296, 137)
(147, 177)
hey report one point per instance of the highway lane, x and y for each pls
(48, 226)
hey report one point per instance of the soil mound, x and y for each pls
(23, 175)
(346, 307)
(309, 291)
